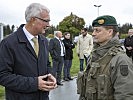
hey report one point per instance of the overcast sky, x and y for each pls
(12, 11)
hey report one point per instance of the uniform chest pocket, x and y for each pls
(91, 83)
(102, 86)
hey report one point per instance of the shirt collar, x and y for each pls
(57, 37)
(131, 35)
(28, 34)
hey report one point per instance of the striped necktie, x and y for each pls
(36, 45)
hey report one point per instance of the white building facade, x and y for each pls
(1, 31)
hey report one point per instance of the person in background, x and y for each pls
(84, 47)
(128, 44)
(110, 76)
(57, 52)
(24, 63)
(68, 56)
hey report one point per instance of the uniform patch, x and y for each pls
(124, 70)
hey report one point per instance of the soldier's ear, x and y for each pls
(110, 32)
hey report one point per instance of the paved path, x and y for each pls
(66, 92)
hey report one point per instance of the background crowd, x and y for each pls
(25, 68)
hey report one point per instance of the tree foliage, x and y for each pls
(72, 24)
(51, 30)
(125, 27)
(7, 30)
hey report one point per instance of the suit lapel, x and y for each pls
(57, 41)
(43, 46)
(23, 39)
(30, 48)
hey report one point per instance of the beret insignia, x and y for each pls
(101, 21)
(105, 20)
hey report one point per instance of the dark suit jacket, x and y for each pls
(55, 49)
(19, 67)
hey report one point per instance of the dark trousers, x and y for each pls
(82, 63)
(67, 67)
(57, 68)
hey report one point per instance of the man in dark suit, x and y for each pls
(24, 63)
(128, 43)
(57, 52)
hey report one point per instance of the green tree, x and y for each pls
(125, 27)
(7, 30)
(90, 29)
(12, 28)
(72, 24)
(50, 30)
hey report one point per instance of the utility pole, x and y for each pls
(98, 8)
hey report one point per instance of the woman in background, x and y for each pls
(68, 56)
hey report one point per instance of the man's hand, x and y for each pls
(48, 84)
(129, 48)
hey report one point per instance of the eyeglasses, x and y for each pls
(43, 19)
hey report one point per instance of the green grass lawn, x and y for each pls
(74, 70)
(75, 63)
(1, 93)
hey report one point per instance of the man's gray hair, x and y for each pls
(34, 10)
(56, 33)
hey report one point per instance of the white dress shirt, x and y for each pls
(29, 36)
(62, 47)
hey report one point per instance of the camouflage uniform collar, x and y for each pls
(100, 51)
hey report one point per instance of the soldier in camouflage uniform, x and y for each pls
(111, 74)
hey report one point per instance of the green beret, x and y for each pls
(105, 20)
